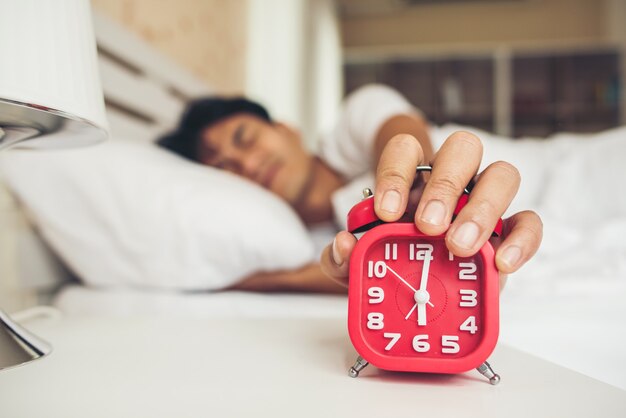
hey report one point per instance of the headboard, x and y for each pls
(145, 93)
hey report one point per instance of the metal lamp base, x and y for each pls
(17, 345)
(29, 126)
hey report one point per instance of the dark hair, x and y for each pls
(202, 113)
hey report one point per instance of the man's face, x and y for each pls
(269, 154)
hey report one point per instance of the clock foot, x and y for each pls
(486, 370)
(359, 365)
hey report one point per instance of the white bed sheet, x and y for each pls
(82, 300)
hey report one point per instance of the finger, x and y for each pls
(491, 196)
(336, 256)
(454, 166)
(522, 236)
(394, 176)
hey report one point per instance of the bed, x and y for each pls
(566, 306)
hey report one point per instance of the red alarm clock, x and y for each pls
(415, 307)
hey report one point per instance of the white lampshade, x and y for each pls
(50, 89)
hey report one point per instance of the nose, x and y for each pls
(250, 163)
(244, 162)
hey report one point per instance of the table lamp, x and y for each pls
(50, 97)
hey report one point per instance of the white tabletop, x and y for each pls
(142, 367)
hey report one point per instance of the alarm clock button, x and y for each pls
(362, 216)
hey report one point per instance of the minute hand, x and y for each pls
(404, 281)
(425, 270)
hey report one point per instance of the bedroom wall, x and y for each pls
(208, 37)
(519, 22)
(236, 47)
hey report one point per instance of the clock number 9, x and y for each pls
(375, 320)
(376, 294)
(420, 343)
(378, 269)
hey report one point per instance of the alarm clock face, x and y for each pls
(414, 306)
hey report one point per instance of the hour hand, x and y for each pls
(421, 299)
(421, 314)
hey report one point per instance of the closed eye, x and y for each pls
(242, 138)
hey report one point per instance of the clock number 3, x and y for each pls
(468, 298)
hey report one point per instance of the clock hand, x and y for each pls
(425, 269)
(410, 312)
(401, 279)
(421, 313)
(406, 283)
(421, 296)
(421, 299)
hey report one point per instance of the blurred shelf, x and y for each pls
(536, 93)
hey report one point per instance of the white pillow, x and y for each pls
(122, 213)
(588, 182)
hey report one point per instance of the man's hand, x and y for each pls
(454, 166)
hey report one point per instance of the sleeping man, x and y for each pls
(377, 131)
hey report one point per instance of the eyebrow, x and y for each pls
(238, 133)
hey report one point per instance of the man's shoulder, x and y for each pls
(373, 92)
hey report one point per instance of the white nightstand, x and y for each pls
(152, 367)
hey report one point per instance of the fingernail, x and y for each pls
(434, 213)
(466, 235)
(336, 256)
(511, 256)
(391, 201)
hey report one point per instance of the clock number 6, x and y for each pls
(420, 343)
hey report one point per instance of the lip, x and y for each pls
(270, 174)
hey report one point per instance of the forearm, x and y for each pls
(306, 279)
(411, 124)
